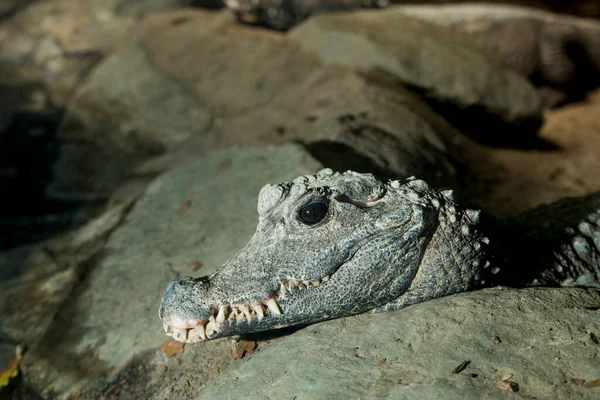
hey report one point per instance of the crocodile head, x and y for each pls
(331, 245)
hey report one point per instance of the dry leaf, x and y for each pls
(508, 386)
(595, 383)
(577, 381)
(462, 320)
(496, 339)
(380, 363)
(172, 347)
(243, 348)
(461, 367)
(12, 369)
(183, 207)
(507, 377)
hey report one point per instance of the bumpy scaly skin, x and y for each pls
(380, 247)
(378, 243)
(553, 245)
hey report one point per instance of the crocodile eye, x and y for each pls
(313, 212)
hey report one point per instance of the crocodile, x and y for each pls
(334, 244)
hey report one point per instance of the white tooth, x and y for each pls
(210, 331)
(233, 314)
(200, 330)
(293, 282)
(212, 320)
(245, 310)
(307, 283)
(282, 290)
(240, 317)
(325, 278)
(258, 310)
(316, 283)
(273, 306)
(167, 327)
(221, 314)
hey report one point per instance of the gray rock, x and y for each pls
(126, 109)
(544, 338)
(154, 97)
(35, 280)
(190, 220)
(245, 72)
(448, 70)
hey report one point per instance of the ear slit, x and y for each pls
(342, 198)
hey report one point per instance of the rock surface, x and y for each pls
(444, 68)
(545, 337)
(118, 117)
(190, 221)
(133, 105)
(35, 280)
(558, 53)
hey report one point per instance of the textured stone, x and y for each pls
(193, 81)
(35, 280)
(547, 336)
(422, 55)
(125, 110)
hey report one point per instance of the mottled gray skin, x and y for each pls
(380, 246)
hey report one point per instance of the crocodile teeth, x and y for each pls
(258, 310)
(307, 283)
(316, 282)
(325, 278)
(273, 306)
(293, 282)
(221, 314)
(282, 290)
(212, 320)
(240, 317)
(167, 328)
(201, 331)
(210, 329)
(233, 314)
(244, 308)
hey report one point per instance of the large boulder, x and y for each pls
(453, 73)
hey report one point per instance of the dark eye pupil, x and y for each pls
(313, 212)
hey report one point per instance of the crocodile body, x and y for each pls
(332, 245)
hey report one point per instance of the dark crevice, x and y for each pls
(484, 128)
(29, 149)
